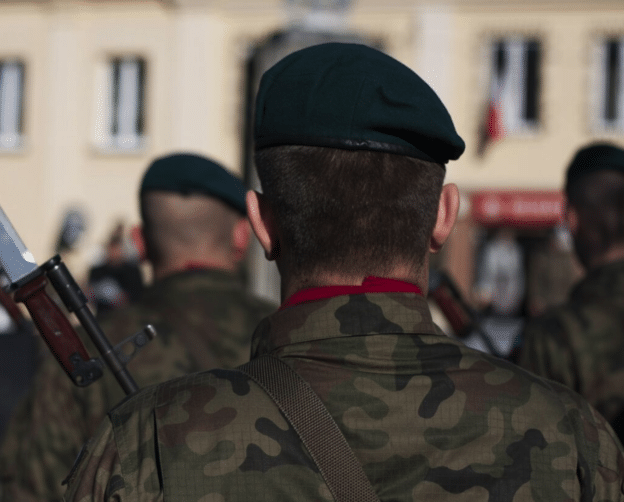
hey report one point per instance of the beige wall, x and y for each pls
(196, 51)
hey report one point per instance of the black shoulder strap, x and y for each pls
(317, 429)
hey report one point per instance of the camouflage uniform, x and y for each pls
(581, 343)
(428, 418)
(204, 320)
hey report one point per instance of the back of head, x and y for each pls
(595, 190)
(350, 211)
(350, 151)
(186, 227)
(189, 206)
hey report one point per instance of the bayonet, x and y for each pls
(28, 281)
(17, 261)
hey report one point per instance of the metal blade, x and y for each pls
(17, 261)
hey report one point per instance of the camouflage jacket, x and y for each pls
(428, 418)
(581, 343)
(204, 320)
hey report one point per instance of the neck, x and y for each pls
(162, 271)
(290, 285)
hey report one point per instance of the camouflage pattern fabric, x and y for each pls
(581, 343)
(204, 320)
(428, 418)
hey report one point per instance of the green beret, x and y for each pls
(187, 173)
(593, 158)
(353, 97)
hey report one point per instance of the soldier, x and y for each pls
(351, 148)
(196, 235)
(581, 343)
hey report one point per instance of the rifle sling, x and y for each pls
(317, 429)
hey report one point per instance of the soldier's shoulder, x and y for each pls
(574, 322)
(213, 431)
(541, 395)
(557, 322)
(217, 392)
(567, 411)
(221, 412)
(121, 323)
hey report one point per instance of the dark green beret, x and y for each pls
(353, 97)
(187, 173)
(593, 158)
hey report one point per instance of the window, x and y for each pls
(120, 104)
(515, 78)
(11, 104)
(607, 86)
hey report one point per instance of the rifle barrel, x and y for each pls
(76, 302)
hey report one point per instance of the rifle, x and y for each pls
(464, 320)
(28, 283)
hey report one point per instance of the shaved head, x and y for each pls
(187, 228)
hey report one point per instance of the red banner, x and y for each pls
(518, 208)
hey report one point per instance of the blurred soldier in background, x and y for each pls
(553, 271)
(351, 148)
(117, 281)
(196, 235)
(581, 343)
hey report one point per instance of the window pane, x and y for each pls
(128, 98)
(11, 82)
(514, 86)
(516, 80)
(20, 99)
(140, 121)
(500, 59)
(127, 101)
(612, 80)
(103, 108)
(116, 64)
(531, 104)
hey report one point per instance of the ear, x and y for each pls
(447, 214)
(571, 218)
(137, 236)
(241, 233)
(263, 223)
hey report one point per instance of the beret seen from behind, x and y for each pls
(189, 173)
(353, 97)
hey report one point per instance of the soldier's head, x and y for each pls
(595, 209)
(193, 213)
(351, 148)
